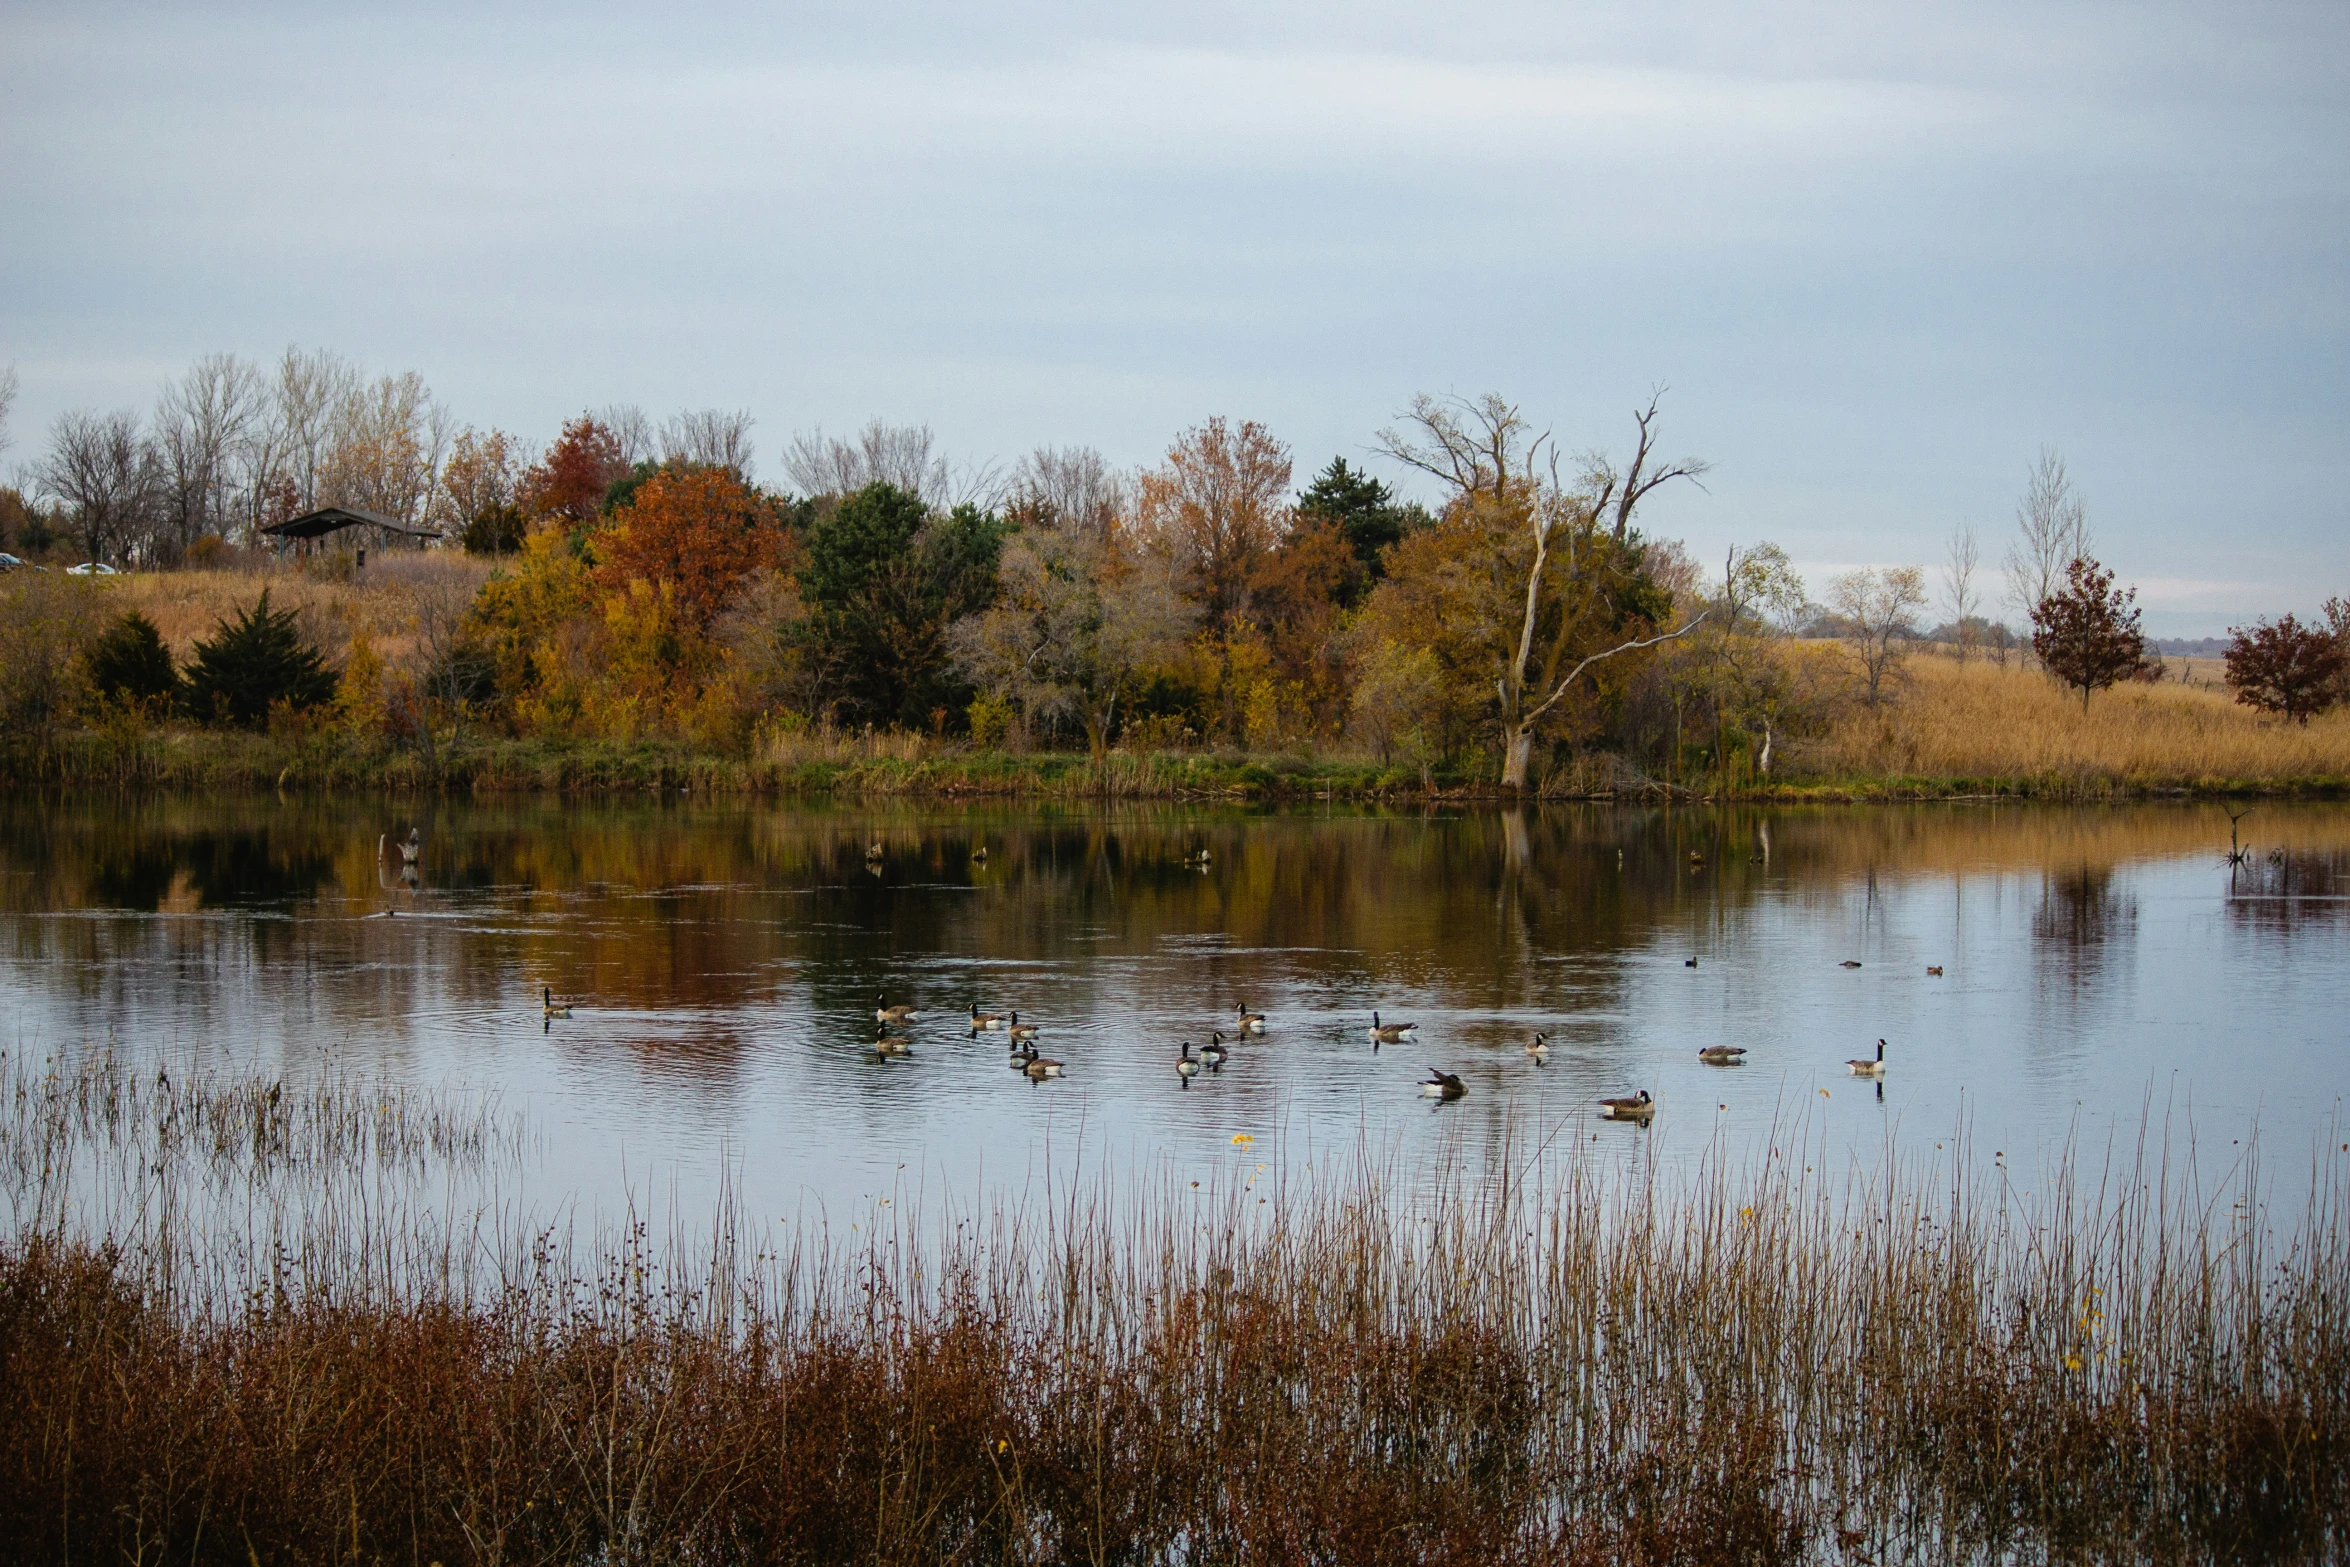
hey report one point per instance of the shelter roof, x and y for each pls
(333, 519)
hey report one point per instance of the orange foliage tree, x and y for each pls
(1217, 506)
(700, 530)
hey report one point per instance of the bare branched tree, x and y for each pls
(1070, 489)
(1958, 587)
(203, 422)
(633, 429)
(308, 389)
(710, 438)
(1614, 497)
(103, 469)
(2052, 531)
(1879, 609)
(387, 440)
(1475, 448)
(901, 455)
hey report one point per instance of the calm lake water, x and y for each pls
(2099, 968)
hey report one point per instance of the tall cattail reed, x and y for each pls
(1544, 1361)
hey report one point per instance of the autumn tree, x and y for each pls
(2086, 633)
(569, 481)
(2287, 668)
(1550, 571)
(480, 493)
(1078, 616)
(1215, 507)
(702, 530)
(1733, 669)
(1878, 608)
(387, 438)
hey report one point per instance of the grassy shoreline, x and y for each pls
(892, 767)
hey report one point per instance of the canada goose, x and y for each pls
(1933, 971)
(990, 1021)
(1539, 1048)
(1849, 963)
(887, 1044)
(1213, 1055)
(412, 847)
(1039, 1067)
(1198, 857)
(1866, 1068)
(1689, 963)
(1019, 1030)
(1250, 1022)
(1443, 1085)
(1390, 1033)
(1185, 1067)
(1637, 1108)
(873, 852)
(1723, 1055)
(547, 1004)
(979, 855)
(883, 1012)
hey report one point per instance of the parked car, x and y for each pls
(92, 568)
(11, 563)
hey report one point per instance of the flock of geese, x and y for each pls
(1439, 1084)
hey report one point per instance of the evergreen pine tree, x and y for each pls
(254, 662)
(1365, 510)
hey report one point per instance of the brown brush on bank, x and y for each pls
(1564, 1369)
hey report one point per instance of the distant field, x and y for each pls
(1978, 721)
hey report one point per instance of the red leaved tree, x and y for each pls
(570, 480)
(2290, 668)
(700, 529)
(2086, 632)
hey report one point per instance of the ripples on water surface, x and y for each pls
(2100, 966)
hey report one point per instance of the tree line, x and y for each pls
(647, 584)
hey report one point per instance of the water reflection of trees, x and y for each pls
(719, 909)
(2284, 889)
(2083, 911)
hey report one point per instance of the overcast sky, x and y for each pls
(1879, 254)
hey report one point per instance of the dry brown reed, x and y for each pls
(1980, 721)
(1552, 1367)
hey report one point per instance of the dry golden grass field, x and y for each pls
(384, 601)
(1979, 721)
